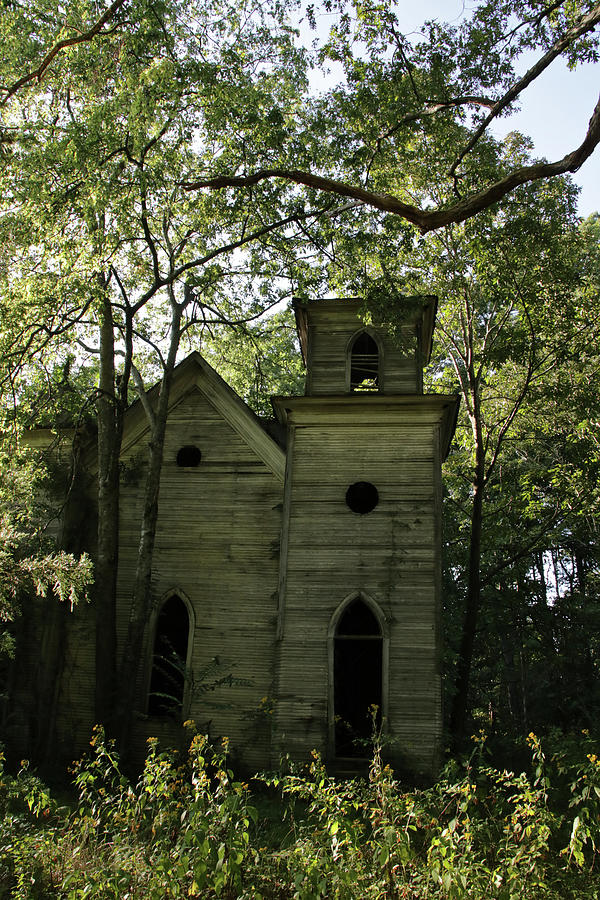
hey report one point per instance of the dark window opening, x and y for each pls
(189, 457)
(362, 497)
(167, 680)
(357, 679)
(358, 619)
(364, 364)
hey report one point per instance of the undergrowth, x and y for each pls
(188, 828)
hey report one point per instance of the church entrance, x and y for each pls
(357, 679)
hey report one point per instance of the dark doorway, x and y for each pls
(167, 680)
(357, 679)
(364, 364)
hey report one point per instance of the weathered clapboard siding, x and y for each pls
(54, 669)
(76, 700)
(328, 352)
(217, 543)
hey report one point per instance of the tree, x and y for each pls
(50, 24)
(438, 97)
(111, 255)
(513, 318)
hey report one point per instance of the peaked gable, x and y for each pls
(194, 373)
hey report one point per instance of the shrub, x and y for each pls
(187, 828)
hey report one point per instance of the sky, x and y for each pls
(554, 110)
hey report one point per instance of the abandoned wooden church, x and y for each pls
(297, 571)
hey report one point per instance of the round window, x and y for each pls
(189, 457)
(362, 497)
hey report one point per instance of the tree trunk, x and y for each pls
(586, 656)
(110, 426)
(510, 646)
(458, 716)
(142, 597)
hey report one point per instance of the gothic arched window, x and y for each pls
(169, 658)
(364, 363)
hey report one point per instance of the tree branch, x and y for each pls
(425, 220)
(177, 272)
(432, 108)
(87, 36)
(587, 23)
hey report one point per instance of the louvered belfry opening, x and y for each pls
(167, 680)
(364, 364)
(357, 677)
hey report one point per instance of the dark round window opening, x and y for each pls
(362, 497)
(189, 457)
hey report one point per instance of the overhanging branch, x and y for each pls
(86, 36)
(585, 24)
(425, 219)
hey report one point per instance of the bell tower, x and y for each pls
(358, 630)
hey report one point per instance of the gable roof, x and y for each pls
(195, 373)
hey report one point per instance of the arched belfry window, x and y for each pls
(364, 363)
(357, 659)
(169, 658)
